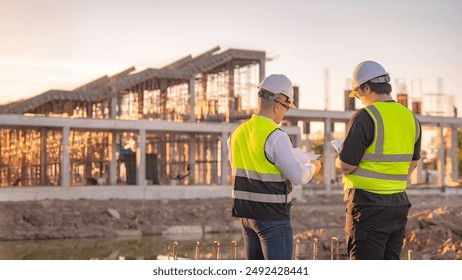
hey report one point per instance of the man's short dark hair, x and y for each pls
(382, 88)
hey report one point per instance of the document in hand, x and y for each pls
(337, 144)
(304, 157)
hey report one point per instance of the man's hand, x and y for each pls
(317, 165)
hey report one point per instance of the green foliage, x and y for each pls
(319, 148)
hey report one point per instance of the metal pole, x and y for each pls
(216, 250)
(315, 249)
(197, 255)
(234, 249)
(297, 249)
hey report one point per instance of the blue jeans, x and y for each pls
(267, 240)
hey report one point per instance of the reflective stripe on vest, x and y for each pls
(261, 197)
(384, 168)
(259, 176)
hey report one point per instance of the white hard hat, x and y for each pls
(281, 87)
(368, 71)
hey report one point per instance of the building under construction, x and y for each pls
(166, 126)
(212, 87)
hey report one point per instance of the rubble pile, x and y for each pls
(435, 234)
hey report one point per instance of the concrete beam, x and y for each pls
(115, 192)
(164, 192)
(108, 124)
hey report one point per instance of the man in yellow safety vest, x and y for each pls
(380, 151)
(264, 167)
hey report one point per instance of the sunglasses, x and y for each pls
(270, 96)
(287, 107)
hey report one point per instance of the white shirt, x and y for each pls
(279, 150)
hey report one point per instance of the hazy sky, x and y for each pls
(62, 44)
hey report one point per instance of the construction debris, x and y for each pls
(435, 234)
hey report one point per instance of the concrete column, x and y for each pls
(192, 159)
(224, 158)
(329, 157)
(113, 160)
(298, 140)
(163, 99)
(453, 164)
(140, 103)
(305, 142)
(441, 159)
(162, 157)
(141, 159)
(43, 157)
(417, 176)
(65, 171)
(202, 101)
(88, 157)
(119, 106)
(192, 109)
(213, 146)
(89, 110)
(262, 70)
(113, 107)
(306, 127)
(231, 98)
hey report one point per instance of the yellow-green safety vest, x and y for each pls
(260, 190)
(385, 164)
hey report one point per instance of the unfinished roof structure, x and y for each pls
(211, 87)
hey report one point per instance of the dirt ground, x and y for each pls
(434, 228)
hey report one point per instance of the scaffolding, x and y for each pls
(212, 87)
(89, 154)
(29, 157)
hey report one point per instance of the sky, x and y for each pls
(62, 44)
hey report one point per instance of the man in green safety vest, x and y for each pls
(264, 167)
(379, 154)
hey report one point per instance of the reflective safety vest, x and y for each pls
(385, 164)
(260, 190)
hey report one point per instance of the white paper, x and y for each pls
(304, 157)
(337, 144)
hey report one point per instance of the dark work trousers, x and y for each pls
(375, 232)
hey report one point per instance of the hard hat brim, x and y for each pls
(284, 101)
(291, 105)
